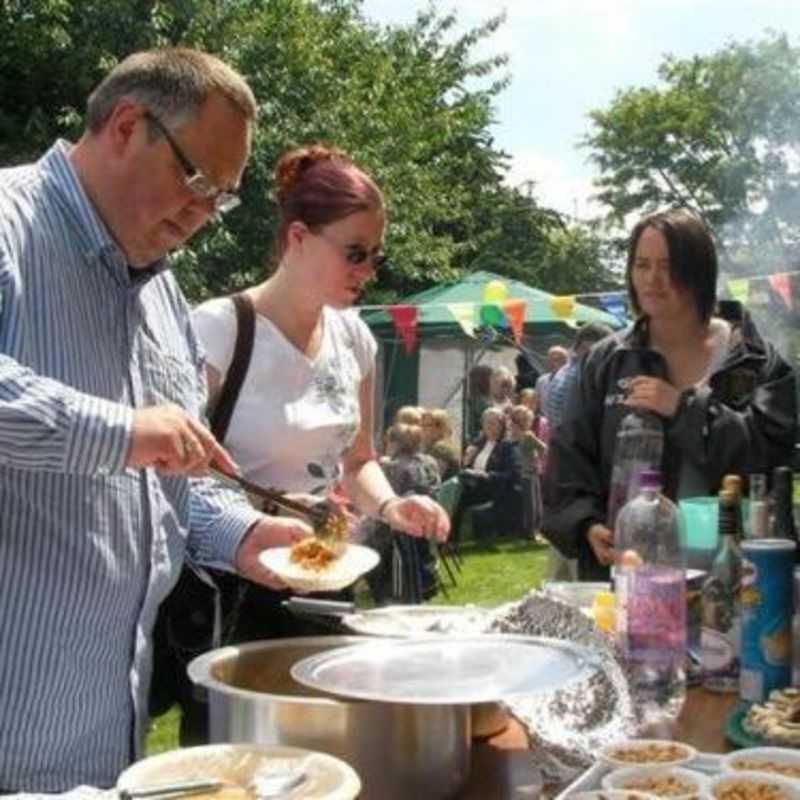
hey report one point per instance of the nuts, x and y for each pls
(651, 753)
(765, 765)
(664, 785)
(749, 790)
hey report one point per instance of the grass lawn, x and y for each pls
(493, 572)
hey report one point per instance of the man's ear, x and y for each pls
(125, 127)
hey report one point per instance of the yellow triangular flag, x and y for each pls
(740, 289)
(464, 315)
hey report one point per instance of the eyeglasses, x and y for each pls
(355, 254)
(196, 182)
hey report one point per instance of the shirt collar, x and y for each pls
(98, 244)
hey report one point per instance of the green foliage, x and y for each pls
(411, 104)
(720, 135)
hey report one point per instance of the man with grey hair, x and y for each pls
(102, 390)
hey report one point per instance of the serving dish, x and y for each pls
(647, 752)
(752, 786)
(660, 781)
(771, 760)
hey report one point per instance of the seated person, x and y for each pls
(437, 441)
(493, 472)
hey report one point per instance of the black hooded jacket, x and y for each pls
(742, 420)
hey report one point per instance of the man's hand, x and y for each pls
(417, 515)
(601, 540)
(653, 394)
(171, 440)
(269, 532)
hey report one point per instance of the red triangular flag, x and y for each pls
(782, 284)
(405, 323)
(515, 313)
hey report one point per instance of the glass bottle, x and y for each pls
(759, 507)
(650, 588)
(782, 511)
(796, 630)
(722, 610)
(733, 483)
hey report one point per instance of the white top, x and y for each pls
(295, 416)
(482, 459)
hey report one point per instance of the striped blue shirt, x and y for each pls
(88, 548)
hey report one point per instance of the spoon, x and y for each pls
(270, 782)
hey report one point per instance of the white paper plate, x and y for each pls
(327, 778)
(341, 572)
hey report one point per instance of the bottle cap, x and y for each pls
(733, 483)
(650, 479)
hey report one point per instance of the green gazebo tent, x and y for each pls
(437, 329)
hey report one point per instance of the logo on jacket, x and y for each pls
(623, 390)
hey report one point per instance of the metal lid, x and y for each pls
(447, 670)
(768, 544)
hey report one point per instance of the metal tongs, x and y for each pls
(321, 514)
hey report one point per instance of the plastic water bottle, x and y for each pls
(650, 587)
(639, 446)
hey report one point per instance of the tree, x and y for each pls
(411, 103)
(722, 136)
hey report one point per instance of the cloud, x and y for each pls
(556, 186)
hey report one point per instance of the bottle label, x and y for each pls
(720, 652)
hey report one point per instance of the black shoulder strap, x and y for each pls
(234, 378)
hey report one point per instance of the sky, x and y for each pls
(567, 57)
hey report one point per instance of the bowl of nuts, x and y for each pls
(647, 752)
(675, 783)
(742, 785)
(773, 760)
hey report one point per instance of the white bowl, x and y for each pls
(762, 755)
(327, 778)
(788, 789)
(609, 794)
(610, 753)
(622, 778)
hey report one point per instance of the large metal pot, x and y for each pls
(398, 750)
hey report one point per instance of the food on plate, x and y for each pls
(767, 765)
(312, 554)
(650, 753)
(663, 785)
(778, 720)
(749, 790)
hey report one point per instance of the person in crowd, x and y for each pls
(539, 427)
(527, 373)
(100, 406)
(437, 441)
(562, 382)
(478, 398)
(409, 415)
(501, 389)
(407, 565)
(492, 473)
(531, 448)
(556, 358)
(725, 397)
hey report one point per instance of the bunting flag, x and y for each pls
(464, 315)
(615, 304)
(515, 313)
(492, 316)
(739, 289)
(563, 307)
(782, 284)
(405, 323)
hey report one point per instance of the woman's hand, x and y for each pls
(601, 540)
(268, 532)
(417, 515)
(653, 394)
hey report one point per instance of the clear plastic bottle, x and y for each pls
(650, 588)
(639, 447)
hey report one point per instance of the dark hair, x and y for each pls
(590, 333)
(479, 380)
(692, 256)
(318, 185)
